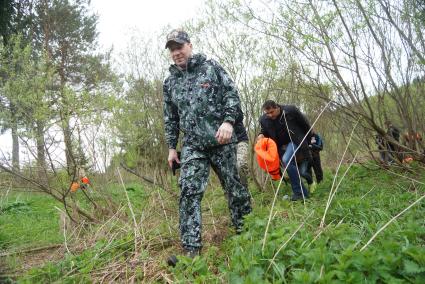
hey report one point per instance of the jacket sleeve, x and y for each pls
(263, 129)
(171, 117)
(303, 123)
(231, 101)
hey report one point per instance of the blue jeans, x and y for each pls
(292, 170)
(305, 171)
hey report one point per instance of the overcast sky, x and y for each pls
(118, 18)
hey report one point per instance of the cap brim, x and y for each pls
(174, 40)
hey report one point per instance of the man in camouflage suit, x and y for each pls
(201, 101)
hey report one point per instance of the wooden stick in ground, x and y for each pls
(212, 217)
(331, 195)
(368, 192)
(343, 176)
(31, 250)
(136, 232)
(62, 217)
(390, 221)
(165, 212)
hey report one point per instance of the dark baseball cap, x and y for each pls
(178, 36)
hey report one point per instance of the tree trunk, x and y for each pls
(41, 154)
(15, 144)
(67, 135)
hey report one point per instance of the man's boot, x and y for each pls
(172, 259)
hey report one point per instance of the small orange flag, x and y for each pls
(85, 180)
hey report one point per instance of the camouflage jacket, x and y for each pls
(197, 101)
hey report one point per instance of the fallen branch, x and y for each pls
(30, 250)
(147, 179)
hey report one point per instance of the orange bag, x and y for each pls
(75, 186)
(268, 157)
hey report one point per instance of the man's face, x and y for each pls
(180, 53)
(272, 113)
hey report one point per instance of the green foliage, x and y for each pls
(313, 255)
(16, 207)
(140, 133)
(29, 220)
(23, 84)
(332, 254)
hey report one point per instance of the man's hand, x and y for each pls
(261, 136)
(224, 133)
(172, 156)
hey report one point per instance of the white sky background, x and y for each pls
(119, 19)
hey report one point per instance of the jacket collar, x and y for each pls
(193, 62)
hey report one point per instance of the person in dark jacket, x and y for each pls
(316, 145)
(388, 150)
(393, 149)
(289, 128)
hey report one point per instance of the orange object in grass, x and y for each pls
(268, 157)
(85, 180)
(407, 160)
(75, 186)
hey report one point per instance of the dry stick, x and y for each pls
(406, 177)
(76, 233)
(107, 221)
(136, 233)
(9, 188)
(288, 240)
(322, 223)
(142, 218)
(165, 277)
(319, 233)
(368, 192)
(321, 271)
(212, 215)
(64, 228)
(280, 182)
(390, 221)
(343, 176)
(165, 212)
(31, 250)
(340, 221)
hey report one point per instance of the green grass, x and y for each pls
(365, 201)
(397, 255)
(29, 220)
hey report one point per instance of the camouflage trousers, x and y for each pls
(242, 162)
(193, 181)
